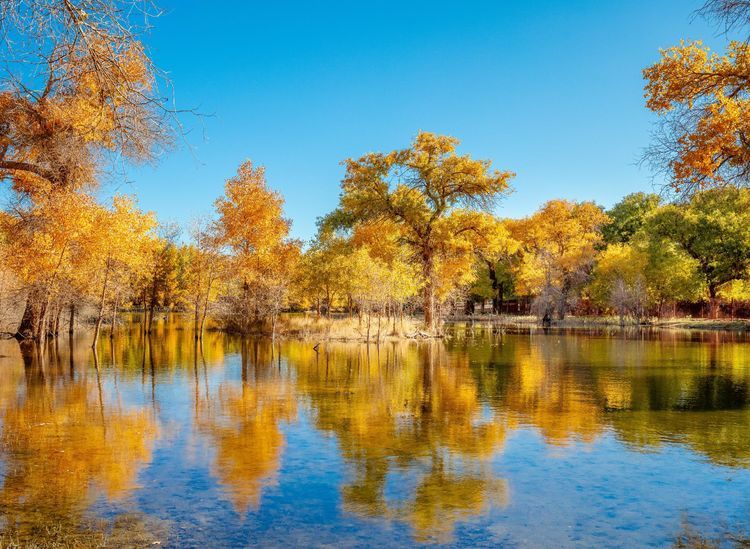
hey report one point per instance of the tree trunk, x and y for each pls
(196, 317)
(27, 328)
(72, 319)
(428, 294)
(152, 305)
(100, 316)
(150, 317)
(41, 327)
(144, 318)
(713, 301)
(205, 308)
(114, 318)
(58, 313)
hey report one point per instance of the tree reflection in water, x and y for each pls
(424, 429)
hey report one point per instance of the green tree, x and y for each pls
(628, 216)
(714, 229)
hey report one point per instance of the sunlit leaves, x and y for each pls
(429, 191)
(704, 99)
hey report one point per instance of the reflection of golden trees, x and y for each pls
(417, 423)
(544, 391)
(168, 349)
(406, 411)
(242, 423)
(442, 499)
(64, 443)
(690, 390)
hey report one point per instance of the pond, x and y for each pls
(518, 438)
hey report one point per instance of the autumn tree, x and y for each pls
(363, 268)
(325, 271)
(42, 237)
(558, 245)
(703, 99)
(251, 227)
(117, 247)
(422, 189)
(495, 249)
(204, 272)
(160, 282)
(643, 275)
(78, 85)
(639, 269)
(78, 89)
(389, 279)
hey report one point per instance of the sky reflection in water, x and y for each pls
(592, 439)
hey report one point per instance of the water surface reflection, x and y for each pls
(567, 438)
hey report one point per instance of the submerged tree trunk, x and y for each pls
(58, 313)
(100, 316)
(71, 319)
(196, 316)
(27, 328)
(152, 305)
(114, 318)
(203, 318)
(41, 329)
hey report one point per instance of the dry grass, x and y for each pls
(126, 530)
(349, 329)
(593, 321)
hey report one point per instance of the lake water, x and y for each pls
(522, 439)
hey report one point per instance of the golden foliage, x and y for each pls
(704, 96)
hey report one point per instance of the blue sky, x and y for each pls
(550, 89)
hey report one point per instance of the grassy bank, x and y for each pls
(351, 329)
(737, 325)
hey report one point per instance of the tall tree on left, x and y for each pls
(79, 89)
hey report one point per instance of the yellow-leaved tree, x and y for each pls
(703, 98)
(77, 84)
(251, 226)
(41, 238)
(114, 249)
(433, 195)
(558, 245)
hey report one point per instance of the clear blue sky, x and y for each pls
(550, 89)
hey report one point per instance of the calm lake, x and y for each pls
(594, 439)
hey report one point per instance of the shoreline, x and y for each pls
(705, 324)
